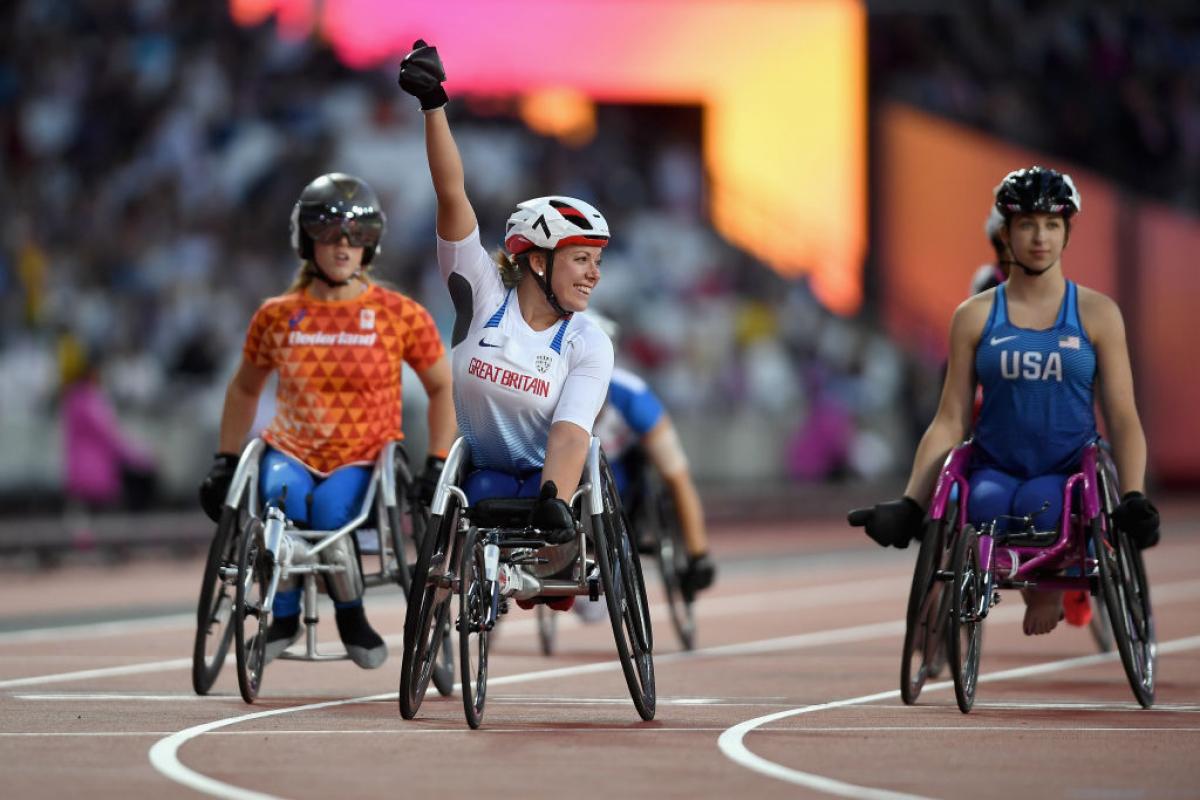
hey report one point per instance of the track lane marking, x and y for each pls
(731, 742)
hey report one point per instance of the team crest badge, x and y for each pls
(366, 319)
(543, 362)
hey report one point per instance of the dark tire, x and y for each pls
(214, 611)
(251, 617)
(547, 628)
(1101, 624)
(672, 561)
(625, 595)
(474, 605)
(1126, 594)
(399, 543)
(428, 612)
(966, 622)
(928, 609)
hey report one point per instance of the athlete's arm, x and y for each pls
(953, 419)
(455, 216)
(662, 446)
(1115, 378)
(241, 404)
(566, 453)
(442, 427)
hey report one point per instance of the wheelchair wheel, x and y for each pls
(214, 611)
(427, 616)
(672, 562)
(1127, 596)
(1101, 625)
(251, 616)
(474, 604)
(395, 519)
(625, 595)
(547, 628)
(928, 609)
(966, 623)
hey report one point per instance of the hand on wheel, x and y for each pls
(1138, 517)
(215, 485)
(894, 523)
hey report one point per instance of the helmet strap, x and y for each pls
(320, 275)
(545, 282)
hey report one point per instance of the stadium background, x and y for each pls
(797, 192)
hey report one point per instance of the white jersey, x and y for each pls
(511, 383)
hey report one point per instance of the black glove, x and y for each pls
(895, 523)
(215, 485)
(421, 75)
(1138, 517)
(552, 516)
(426, 483)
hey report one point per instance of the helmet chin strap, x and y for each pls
(1033, 273)
(544, 282)
(320, 275)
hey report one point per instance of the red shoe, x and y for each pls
(1077, 606)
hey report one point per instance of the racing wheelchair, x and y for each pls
(486, 553)
(960, 570)
(256, 548)
(658, 531)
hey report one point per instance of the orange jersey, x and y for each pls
(339, 365)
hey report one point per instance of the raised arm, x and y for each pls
(421, 75)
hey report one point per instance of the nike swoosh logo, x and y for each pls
(1001, 340)
(484, 343)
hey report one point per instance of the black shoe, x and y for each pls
(284, 631)
(362, 643)
(698, 576)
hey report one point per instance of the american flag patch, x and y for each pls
(1069, 342)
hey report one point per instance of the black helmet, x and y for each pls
(336, 205)
(1037, 190)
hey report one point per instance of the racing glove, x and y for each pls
(894, 523)
(1138, 517)
(552, 516)
(215, 485)
(426, 483)
(421, 75)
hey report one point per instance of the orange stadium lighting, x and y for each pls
(782, 85)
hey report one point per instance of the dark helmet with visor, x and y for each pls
(1037, 190)
(336, 205)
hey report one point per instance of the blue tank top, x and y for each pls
(1038, 406)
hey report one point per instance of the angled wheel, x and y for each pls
(1126, 595)
(474, 625)
(672, 561)
(427, 616)
(251, 616)
(1101, 625)
(547, 628)
(928, 608)
(215, 608)
(625, 595)
(966, 621)
(416, 515)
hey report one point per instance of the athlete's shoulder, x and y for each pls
(587, 339)
(1091, 300)
(279, 306)
(1099, 313)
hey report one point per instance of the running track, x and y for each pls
(792, 693)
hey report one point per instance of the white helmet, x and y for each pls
(553, 222)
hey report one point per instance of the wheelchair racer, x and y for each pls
(338, 340)
(1042, 347)
(634, 428)
(530, 373)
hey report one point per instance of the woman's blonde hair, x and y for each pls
(306, 273)
(510, 268)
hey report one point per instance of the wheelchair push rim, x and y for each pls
(427, 615)
(625, 596)
(966, 618)
(1126, 594)
(672, 563)
(251, 617)
(926, 620)
(214, 611)
(475, 596)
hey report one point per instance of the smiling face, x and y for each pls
(338, 261)
(1037, 240)
(576, 273)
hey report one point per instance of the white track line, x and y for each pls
(732, 745)
(103, 672)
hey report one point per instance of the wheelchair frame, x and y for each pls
(960, 571)
(265, 545)
(469, 554)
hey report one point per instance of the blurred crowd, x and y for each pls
(152, 151)
(1113, 86)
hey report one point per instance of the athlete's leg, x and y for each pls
(991, 496)
(336, 501)
(284, 480)
(485, 484)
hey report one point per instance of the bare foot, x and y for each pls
(1043, 610)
